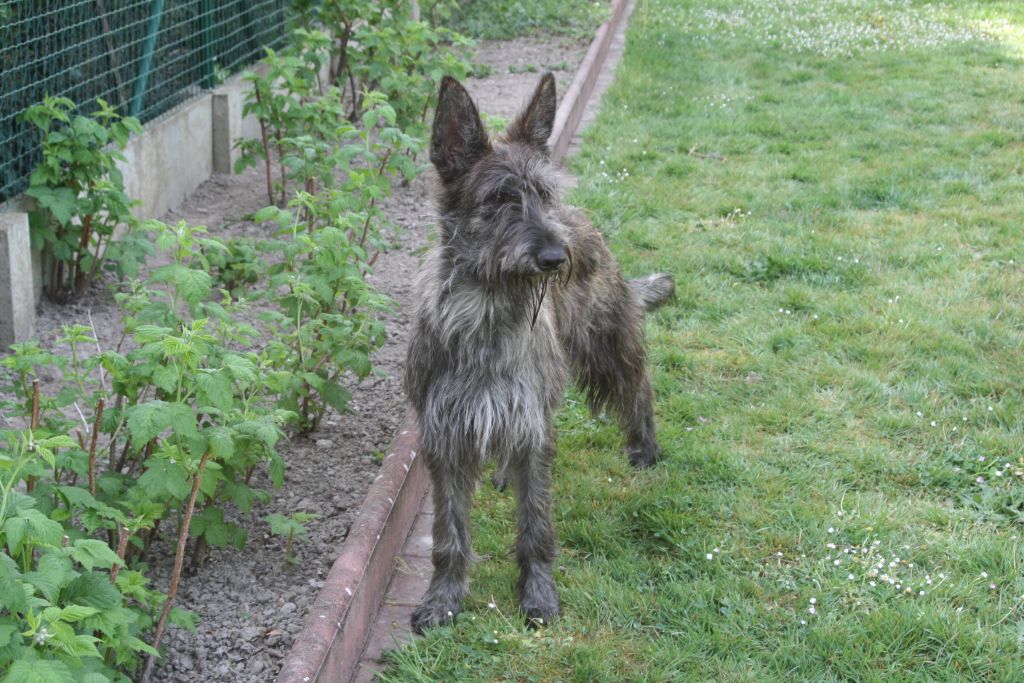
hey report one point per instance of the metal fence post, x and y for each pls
(209, 61)
(141, 82)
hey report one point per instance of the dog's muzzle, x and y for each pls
(551, 258)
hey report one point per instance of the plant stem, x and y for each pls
(266, 148)
(30, 483)
(122, 548)
(92, 447)
(280, 166)
(179, 561)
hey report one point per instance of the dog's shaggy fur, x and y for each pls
(519, 293)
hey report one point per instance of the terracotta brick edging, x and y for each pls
(328, 648)
(570, 111)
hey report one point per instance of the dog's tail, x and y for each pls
(653, 290)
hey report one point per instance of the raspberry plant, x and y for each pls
(81, 198)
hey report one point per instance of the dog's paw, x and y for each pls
(431, 614)
(644, 457)
(539, 603)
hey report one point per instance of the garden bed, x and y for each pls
(252, 602)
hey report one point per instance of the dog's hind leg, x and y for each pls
(610, 364)
(454, 480)
(634, 407)
(535, 544)
(500, 477)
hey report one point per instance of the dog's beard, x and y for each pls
(540, 289)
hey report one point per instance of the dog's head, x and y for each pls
(500, 197)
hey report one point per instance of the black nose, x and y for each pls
(550, 258)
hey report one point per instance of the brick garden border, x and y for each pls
(328, 648)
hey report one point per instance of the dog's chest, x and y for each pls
(500, 378)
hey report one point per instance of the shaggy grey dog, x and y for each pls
(519, 293)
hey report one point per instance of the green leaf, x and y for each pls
(32, 525)
(90, 553)
(165, 377)
(273, 213)
(162, 477)
(336, 396)
(92, 589)
(15, 528)
(183, 618)
(279, 524)
(194, 285)
(140, 646)
(94, 677)
(39, 671)
(77, 496)
(75, 645)
(216, 389)
(12, 594)
(183, 420)
(59, 441)
(59, 201)
(210, 525)
(53, 572)
(222, 445)
(241, 368)
(276, 470)
(74, 613)
(147, 420)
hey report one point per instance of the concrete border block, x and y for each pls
(227, 126)
(170, 158)
(17, 299)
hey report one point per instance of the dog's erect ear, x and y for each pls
(533, 125)
(458, 140)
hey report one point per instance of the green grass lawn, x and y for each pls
(837, 187)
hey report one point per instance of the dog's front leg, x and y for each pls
(535, 545)
(454, 480)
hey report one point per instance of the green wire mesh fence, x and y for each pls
(142, 56)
